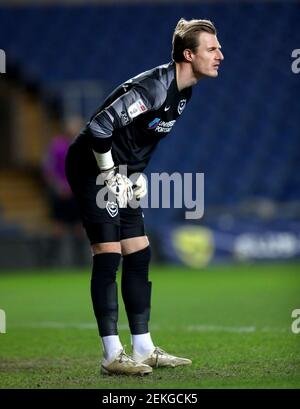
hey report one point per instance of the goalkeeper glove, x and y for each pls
(140, 187)
(119, 185)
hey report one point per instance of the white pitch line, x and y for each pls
(123, 326)
(220, 328)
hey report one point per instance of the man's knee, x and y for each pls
(134, 244)
(109, 247)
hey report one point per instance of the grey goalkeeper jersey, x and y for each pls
(136, 116)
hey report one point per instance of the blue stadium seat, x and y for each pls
(241, 130)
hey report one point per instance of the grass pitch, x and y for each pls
(234, 322)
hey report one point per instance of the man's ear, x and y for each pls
(187, 53)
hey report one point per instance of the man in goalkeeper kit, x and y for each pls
(125, 130)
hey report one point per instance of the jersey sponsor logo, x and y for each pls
(154, 123)
(161, 126)
(112, 208)
(138, 107)
(181, 106)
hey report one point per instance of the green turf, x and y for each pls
(234, 322)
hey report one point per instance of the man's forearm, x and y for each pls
(101, 128)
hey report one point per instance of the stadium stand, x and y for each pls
(241, 130)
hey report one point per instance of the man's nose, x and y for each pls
(221, 56)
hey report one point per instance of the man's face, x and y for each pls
(207, 56)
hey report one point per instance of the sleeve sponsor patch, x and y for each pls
(124, 118)
(137, 108)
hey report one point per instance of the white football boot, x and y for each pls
(122, 364)
(159, 358)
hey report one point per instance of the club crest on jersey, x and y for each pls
(181, 106)
(112, 208)
(137, 108)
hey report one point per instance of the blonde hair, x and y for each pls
(186, 36)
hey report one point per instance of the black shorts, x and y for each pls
(109, 224)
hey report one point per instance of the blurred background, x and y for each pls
(242, 130)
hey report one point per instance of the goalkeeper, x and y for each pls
(125, 130)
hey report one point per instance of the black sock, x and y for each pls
(104, 292)
(136, 290)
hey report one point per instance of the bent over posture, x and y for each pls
(125, 130)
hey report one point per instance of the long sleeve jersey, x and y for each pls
(136, 116)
